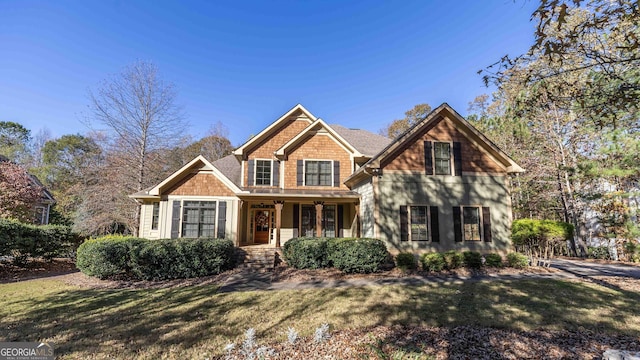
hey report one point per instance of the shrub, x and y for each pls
(306, 253)
(517, 260)
(105, 257)
(472, 259)
(357, 255)
(453, 259)
(433, 262)
(598, 252)
(632, 249)
(406, 261)
(493, 260)
(26, 240)
(111, 256)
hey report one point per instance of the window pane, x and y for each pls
(318, 173)
(199, 219)
(263, 172)
(155, 216)
(329, 221)
(442, 157)
(308, 220)
(419, 223)
(471, 220)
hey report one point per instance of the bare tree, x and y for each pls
(141, 117)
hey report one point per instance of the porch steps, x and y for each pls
(256, 258)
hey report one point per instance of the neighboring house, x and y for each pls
(42, 208)
(441, 185)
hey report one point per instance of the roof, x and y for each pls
(366, 142)
(301, 193)
(230, 167)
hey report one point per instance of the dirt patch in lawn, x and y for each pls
(35, 268)
(460, 342)
(283, 273)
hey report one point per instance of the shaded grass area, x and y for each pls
(196, 322)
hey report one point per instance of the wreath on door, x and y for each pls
(261, 219)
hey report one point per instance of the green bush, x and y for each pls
(26, 240)
(526, 231)
(357, 255)
(632, 249)
(306, 253)
(433, 262)
(105, 257)
(517, 260)
(598, 252)
(472, 259)
(493, 260)
(453, 259)
(406, 261)
(113, 256)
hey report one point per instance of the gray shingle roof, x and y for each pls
(230, 167)
(364, 141)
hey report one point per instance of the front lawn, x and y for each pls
(196, 322)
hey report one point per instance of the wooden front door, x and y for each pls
(262, 226)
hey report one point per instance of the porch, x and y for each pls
(270, 221)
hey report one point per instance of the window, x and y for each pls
(198, 219)
(419, 222)
(471, 223)
(318, 173)
(308, 220)
(442, 158)
(155, 216)
(263, 172)
(40, 216)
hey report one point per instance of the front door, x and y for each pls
(262, 222)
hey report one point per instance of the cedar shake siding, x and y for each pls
(318, 147)
(200, 184)
(412, 156)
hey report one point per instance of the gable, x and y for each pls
(410, 156)
(287, 131)
(201, 183)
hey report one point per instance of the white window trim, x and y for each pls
(215, 221)
(158, 224)
(255, 172)
(480, 227)
(304, 172)
(429, 230)
(452, 167)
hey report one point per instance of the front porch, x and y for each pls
(269, 222)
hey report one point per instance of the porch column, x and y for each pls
(319, 205)
(358, 226)
(279, 206)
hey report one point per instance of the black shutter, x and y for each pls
(486, 223)
(300, 172)
(276, 173)
(457, 158)
(336, 173)
(175, 219)
(435, 226)
(404, 223)
(250, 174)
(428, 158)
(457, 224)
(222, 219)
(296, 219)
(340, 232)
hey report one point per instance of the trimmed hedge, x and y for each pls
(357, 255)
(433, 262)
(349, 255)
(22, 241)
(142, 259)
(406, 261)
(493, 260)
(472, 259)
(306, 253)
(453, 259)
(517, 260)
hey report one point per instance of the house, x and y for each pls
(440, 185)
(42, 207)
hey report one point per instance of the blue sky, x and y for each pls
(244, 63)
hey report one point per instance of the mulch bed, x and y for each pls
(36, 268)
(460, 342)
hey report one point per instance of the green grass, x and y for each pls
(196, 322)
